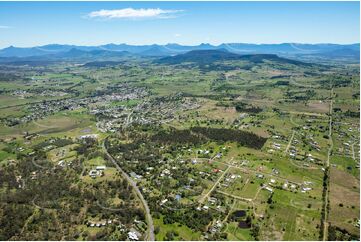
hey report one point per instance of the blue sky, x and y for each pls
(83, 23)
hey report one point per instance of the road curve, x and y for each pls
(150, 236)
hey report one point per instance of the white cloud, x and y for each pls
(131, 13)
(177, 35)
(4, 27)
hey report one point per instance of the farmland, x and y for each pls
(234, 149)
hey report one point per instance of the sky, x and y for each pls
(26, 24)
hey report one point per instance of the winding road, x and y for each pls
(150, 235)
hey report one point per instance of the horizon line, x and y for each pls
(169, 43)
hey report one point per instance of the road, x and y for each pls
(249, 170)
(150, 235)
(327, 165)
(353, 151)
(201, 201)
(308, 114)
(300, 84)
(330, 135)
(290, 142)
(234, 196)
(43, 126)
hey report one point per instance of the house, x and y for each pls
(133, 236)
(61, 163)
(163, 202)
(92, 136)
(212, 200)
(275, 171)
(268, 189)
(219, 155)
(93, 173)
(134, 175)
(101, 168)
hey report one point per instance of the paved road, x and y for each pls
(150, 236)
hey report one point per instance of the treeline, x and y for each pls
(199, 135)
(324, 197)
(241, 107)
(352, 114)
(58, 142)
(217, 97)
(244, 108)
(300, 95)
(337, 234)
(221, 134)
(177, 137)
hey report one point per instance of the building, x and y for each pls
(101, 168)
(133, 236)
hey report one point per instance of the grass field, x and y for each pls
(184, 233)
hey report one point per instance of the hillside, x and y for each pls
(210, 56)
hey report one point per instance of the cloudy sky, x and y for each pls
(94, 23)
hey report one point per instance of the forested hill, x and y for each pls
(210, 56)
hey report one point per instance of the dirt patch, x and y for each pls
(319, 106)
(344, 200)
(344, 179)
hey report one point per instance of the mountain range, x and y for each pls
(56, 52)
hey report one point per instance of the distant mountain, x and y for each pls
(102, 63)
(176, 48)
(20, 52)
(156, 50)
(342, 53)
(76, 54)
(70, 55)
(210, 56)
(287, 50)
(200, 56)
